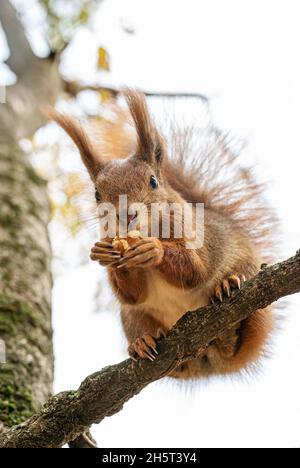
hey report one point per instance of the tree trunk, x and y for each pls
(25, 288)
(25, 254)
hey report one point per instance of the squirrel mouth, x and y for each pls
(131, 217)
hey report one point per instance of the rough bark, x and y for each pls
(25, 287)
(68, 414)
(25, 279)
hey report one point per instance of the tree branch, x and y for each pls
(69, 414)
(20, 50)
(73, 88)
(39, 83)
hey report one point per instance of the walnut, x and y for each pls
(122, 245)
(134, 235)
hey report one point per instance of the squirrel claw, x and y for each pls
(218, 293)
(226, 287)
(145, 348)
(236, 281)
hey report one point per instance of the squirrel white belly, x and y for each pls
(167, 302)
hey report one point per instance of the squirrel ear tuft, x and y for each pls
(150, 145)
(81, 139)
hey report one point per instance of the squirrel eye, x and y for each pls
(97, 196)
(153, 182)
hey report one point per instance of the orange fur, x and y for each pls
(239, 227)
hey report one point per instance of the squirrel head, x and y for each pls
(140, 176)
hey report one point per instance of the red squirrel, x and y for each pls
(157, 279)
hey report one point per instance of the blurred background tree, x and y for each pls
(25, 254)
(63, 19)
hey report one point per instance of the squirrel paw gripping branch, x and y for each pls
(159, 279)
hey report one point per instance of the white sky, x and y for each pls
(245, 56)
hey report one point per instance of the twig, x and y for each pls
(73, 88)
(84, 440)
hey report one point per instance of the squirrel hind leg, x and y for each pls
(193, 369)
(234, 351)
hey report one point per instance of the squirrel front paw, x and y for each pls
(230, 283)
(145, 253)
(146, 346)
(105, 254)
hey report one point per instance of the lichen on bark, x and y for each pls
(25, 288)
(16, 401)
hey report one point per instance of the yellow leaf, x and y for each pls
(74, 185)
(105, 96)
(103, 59)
